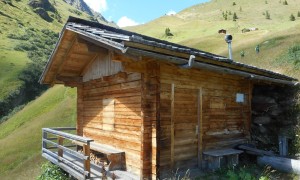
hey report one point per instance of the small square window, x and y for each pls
(240, 97)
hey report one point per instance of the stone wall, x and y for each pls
(274, 113)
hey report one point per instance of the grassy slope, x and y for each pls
(15, 20)
(196, 26)
(21, 135)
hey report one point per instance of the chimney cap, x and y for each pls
(228, 38)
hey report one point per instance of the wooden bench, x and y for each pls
(115, 157)
(215, 159)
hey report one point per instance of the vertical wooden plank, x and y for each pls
(200, 131)
(60, 141)
(250, 108)
(80, 109)
(86, 152)
(172, 125)
(157, 139)
(143, 99)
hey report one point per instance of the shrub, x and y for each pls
(285, 2)
(52, 172)
(19, 37)
(168, 32)
(268, 15)
(292, 17)
(233, 3)
(234, 18)
(225, 17)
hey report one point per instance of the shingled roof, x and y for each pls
(134, 43)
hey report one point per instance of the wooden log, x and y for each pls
(281, 164)
(255, 151)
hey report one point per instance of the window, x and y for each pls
(240, 98)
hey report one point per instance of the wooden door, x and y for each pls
(185, 127)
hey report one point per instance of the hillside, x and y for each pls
(28, 32)
(196, 26)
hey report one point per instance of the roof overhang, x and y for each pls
(82, 41)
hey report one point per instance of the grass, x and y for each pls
(11, 64)
(247, 172)
(21, 135)
(196, 27)
(15, 20)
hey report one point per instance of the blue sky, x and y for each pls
(134, 12)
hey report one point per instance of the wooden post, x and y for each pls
(80, 110)
(87, 163)
(199, 117)
(44, 144)
(172, 125)
(60, 151)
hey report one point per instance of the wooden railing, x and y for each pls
(58, 148)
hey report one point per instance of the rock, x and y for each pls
(44, 4)
(43, 14)
(262, 120)
(263, 100)
(262, 129)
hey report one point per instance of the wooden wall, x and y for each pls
(198, 112)
(101, 66)
(150, 86)
(125, 91)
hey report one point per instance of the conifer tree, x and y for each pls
(268, 15)
(285, 2)
(292, 17)
(234, 18)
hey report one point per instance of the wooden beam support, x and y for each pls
(172, 125)
(67, 79)
(87, 162)
(88, 65)
(200, 129)
(60, 142)
(64, 59)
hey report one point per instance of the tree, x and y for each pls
(292, 17)
(225, 17)
(268, 15)
(241, 9)
(266, 2)
(234, 18)
(233, 3)
(229, 13)
(168, 32)
(298, 14)
(285, 2)
(242, 54)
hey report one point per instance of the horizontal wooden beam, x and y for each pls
(68, 79)
(67, 135)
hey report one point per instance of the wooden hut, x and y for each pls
(150, 105)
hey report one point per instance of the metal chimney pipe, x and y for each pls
(228, 39)
(230, 50)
